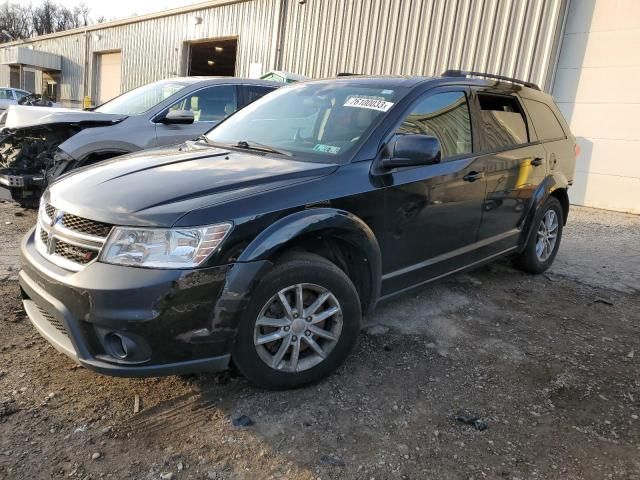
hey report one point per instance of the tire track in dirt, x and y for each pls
(175, 415)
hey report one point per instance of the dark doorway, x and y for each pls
(213, 58)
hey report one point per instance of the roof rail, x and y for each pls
(465, 73)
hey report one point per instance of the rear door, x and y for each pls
(515, 164)
(549, 131)
(209, 105)
(434, 211)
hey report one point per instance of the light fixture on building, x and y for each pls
(210, 62)
(219, 49)
(197, 20)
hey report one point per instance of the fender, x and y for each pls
(322, 223)
(551, 183)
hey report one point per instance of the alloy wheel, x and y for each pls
(547, 235)
(298, 327)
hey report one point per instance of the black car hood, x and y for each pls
(157, 187)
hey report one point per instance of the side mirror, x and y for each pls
(412, 150)
(178, 117)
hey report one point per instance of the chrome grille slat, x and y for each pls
(69, 241)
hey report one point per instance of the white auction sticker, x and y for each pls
(370, 103)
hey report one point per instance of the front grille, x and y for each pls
(69, 241)
(52, 320)
(44, 236)
(49, 210)
(86, 226)
(73, 253)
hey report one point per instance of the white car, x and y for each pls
(10, 96)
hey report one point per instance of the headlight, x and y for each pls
(163, 247)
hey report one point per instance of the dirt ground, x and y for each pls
(550, 363)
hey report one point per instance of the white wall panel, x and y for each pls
(596, 86)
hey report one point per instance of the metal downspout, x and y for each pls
(280, 32)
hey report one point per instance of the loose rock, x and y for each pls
(377, 330)
(332, 460)
(242, 421)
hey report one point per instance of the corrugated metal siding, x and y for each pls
(252, 22)
(71, 48)
(156, 49)
(422, 37)
(324, 37)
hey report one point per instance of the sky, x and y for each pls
(116, 9)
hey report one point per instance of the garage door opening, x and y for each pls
(213, 58)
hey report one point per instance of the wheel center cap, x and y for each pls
(298, 326)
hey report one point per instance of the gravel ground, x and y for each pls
(549, 363)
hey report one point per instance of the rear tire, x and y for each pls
(307, 345)
(544, 238)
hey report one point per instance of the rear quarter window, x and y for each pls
(545, 122)
(503, 121)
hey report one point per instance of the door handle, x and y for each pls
(536, 161)
(473, 176)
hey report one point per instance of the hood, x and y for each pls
(157, 187)
(21, 116)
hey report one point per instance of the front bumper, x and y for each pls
(174, 321)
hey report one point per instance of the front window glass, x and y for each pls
(445, 116)
(141, 99)
(315, 121)
(210, 104)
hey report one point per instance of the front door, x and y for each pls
(514, 167)
(209, 105)
(434, 211)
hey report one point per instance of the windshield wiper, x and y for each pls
(251, 145)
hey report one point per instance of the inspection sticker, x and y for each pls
(370, 103)
(326, 149)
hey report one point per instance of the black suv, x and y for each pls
(266, 240)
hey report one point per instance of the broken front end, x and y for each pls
(29, 158)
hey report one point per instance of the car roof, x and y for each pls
(375, 80)
(395, 81)
(224, 81)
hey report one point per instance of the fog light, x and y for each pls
(118, 346)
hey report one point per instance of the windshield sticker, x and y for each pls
(320, 148)
(370, 103)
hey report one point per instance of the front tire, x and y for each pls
(302, 322)
(544, 239)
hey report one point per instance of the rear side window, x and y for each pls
(544, 121)
(254, 92)
(210, 104)
(503, 120)
(445, 116)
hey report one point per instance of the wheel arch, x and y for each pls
(555, 185)
(336, 235)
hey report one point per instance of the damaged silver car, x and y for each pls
(38, 144)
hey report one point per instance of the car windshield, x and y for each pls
(141, 99)
(320, 122)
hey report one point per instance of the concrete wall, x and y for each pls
(597, 89)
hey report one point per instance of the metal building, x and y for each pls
(581, 51)
(316, 38)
